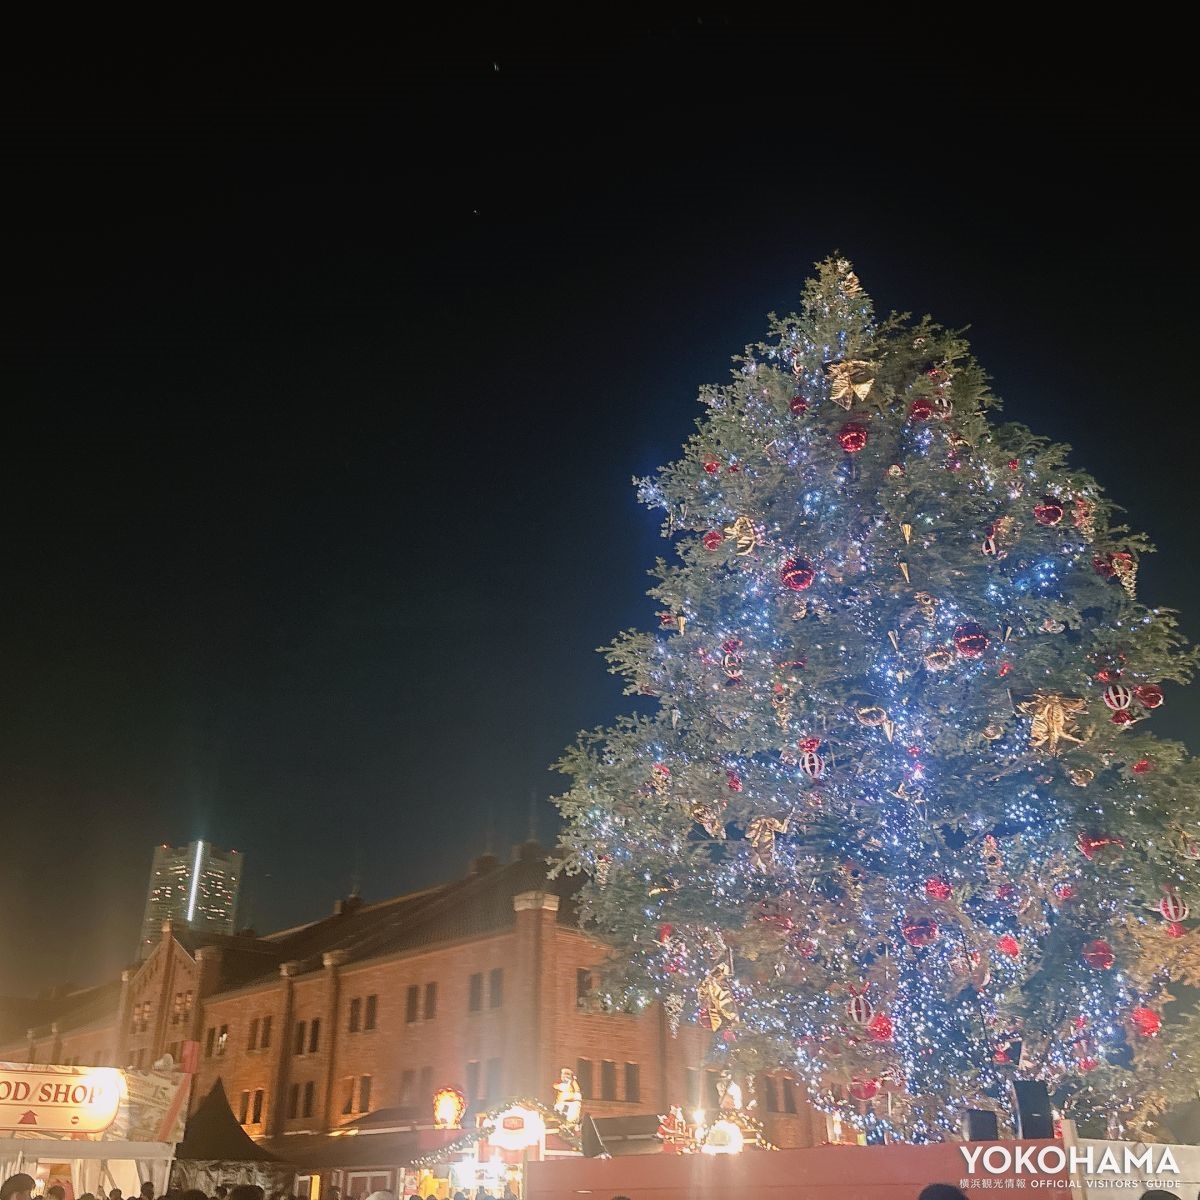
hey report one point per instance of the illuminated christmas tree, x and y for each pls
(895, 822)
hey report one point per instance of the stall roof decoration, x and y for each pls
(213, 1134)
(487, 1122)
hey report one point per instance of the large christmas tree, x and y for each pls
(894, 820)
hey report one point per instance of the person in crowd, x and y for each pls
(193, 1194)
(221, 1192)
(247, 1191)
(115, 1194)
(56, 1192)
(1158, 1194)
(941, 1191)
(17, 1187)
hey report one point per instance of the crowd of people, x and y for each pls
(24, 1187)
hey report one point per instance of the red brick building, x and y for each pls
(482, 983)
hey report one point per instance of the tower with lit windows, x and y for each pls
(196, 886)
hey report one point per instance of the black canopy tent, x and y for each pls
(216, 1149)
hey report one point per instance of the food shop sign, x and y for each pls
(83, 1101)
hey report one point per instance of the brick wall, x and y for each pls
(517, 1027)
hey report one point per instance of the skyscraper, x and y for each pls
(196, 886)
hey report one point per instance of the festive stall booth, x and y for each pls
(216, 1150)
(90, 1129)
(494, 1152)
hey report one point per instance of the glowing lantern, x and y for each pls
(449, 1104)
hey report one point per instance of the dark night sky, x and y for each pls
(327, 372)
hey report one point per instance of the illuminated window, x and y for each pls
(222, 1039)
(256, 1115)
(364, 1094)
(348, 1091)
(583, 987)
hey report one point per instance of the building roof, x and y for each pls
(68, 1007)
(479, 904)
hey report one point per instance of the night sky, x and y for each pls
(326, 374)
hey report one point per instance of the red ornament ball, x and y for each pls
(1145, 1020)
(970, 639)
(852, 436)
(798, 405)
(1014, 464)
(1001, 1056)
(809, 745)
(864, 1089)
(1049, 511)
(1107, 676)
(731, 645)
(1172, 907)
(1175, 930)
(1006, 891)
(880, 1028)
(1064, 891)
(797, 574)
(1008, 946)
(1142, 766)
(711, 466)
(1118, 697)
(1121, 718)
(937, 889)
(919, 931)
(1149, 695)
(734, 780)
(920, 409)
(713, 539)
(1099, 955)
(1103, 566)
(813, 765)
